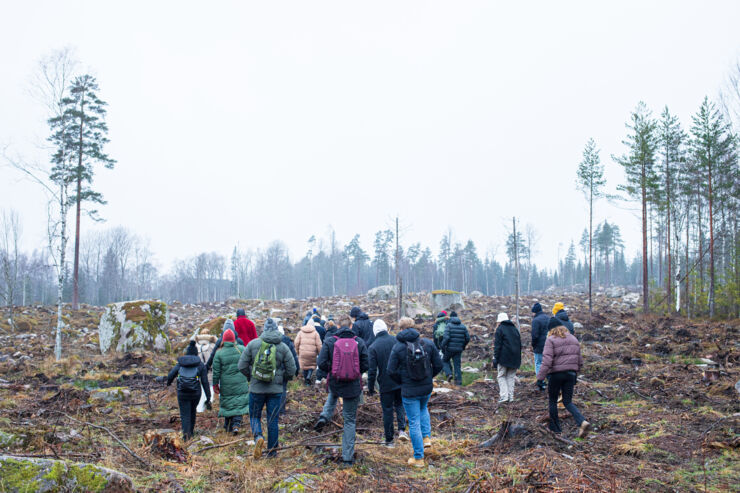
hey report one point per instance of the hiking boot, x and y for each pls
(416, 463)
(427, 442)
(320, 424)
(584, 429)
(235, 430)
(449, 378)
(258, 446)
(403, 436)
(389, 445)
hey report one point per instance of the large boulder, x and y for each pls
(413, 309)
(382, 293)
(615, 292)
(447, 300)
(476, 294)
(132, 325)
(25, 474)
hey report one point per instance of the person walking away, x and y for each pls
(559, 312)
(228, 325)
(507, 356)
(331, 330)
(319, 327)
(191, 375)
(266, 362)
(308, 346)
(539, 334)
(230, 384)
(245, 328)
(561, 362)
(456, 338)
(439, 328)
(361, 325)
(390, 390)
(344, 358)
(286, 340)
(414, 362)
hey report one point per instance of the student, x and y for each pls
(539, 334)
(361, 325)
(390, 390)
(438, 330)
(413, 363)
(561, 362)
(230, 384)
(454, 342)
(289, 343)
(507, 356)
(559, 312)
(191, 375)
(228, 325)
(267, 363)
(344, 358)
(308, 346)
(245, 328)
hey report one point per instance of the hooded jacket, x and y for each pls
(562, 315)
(308, 346)
(351, 389)
(398, 369)
(456, 337)
(228, 325)
(234, 395)
(539, 331)
(507, 346)
(320, 329)
(190, 360)
(285, 370)
(560, 354)
(363, 328)
(245, 329)
(380, 353)
(286, 340)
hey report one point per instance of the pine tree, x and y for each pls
(591, 181)
(638, 165)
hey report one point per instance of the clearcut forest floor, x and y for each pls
(663, 425)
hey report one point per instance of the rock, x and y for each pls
(447, 300)
(737, 386)
(382, 293)
(413, 309)
(296, 482)
(134, 325)
(7, 439)
(201, 442)
(615, 292)
(476, 294)
(577, 325)
(22, 474)
(110, 394)
(470, 369)
(631, 299)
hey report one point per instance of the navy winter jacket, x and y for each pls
(380, 353)
(539, 332)
(351, 389)
(398, 369)
(507, 348)
(291, 346)
(189, 361)
(562, 315)
(456, 337)
(363, 328)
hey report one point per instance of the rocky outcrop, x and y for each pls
(382, 293)
(25, 474)
(413, 309)
(132, 325)
(447, 300)
(476, 294)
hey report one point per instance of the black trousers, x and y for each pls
(562, 381)
(307, 374)
(232, 422)
(188, 406)
(390, 402)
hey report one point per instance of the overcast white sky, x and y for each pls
(253, 121)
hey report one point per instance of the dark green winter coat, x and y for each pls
(234, 397)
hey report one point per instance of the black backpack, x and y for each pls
(417, 361)
(188, 380)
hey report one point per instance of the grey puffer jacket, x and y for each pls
(286, 366)
(560, 354)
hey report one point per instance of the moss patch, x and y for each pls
(445, 291)
(84, 478)
(18, 476)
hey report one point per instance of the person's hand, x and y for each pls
(208, 405)
(216, 389)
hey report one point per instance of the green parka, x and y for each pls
(234, 397)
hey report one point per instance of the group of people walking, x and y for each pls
(251, 372)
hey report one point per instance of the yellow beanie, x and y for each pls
(557, 307)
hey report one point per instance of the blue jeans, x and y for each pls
(537, 363)
(419, 425)
(329, 406)
(256, 403)
(456, 365)
(283, 398)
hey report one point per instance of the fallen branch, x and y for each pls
(323, 435)
(553, 435)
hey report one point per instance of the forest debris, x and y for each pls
(169, 446)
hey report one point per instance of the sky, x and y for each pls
(246, 122)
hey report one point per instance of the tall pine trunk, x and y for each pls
(590, 249)
(76, 282)
(711, 240)
(645, 301)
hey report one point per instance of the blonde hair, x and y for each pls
(405, 323)
(558, 331)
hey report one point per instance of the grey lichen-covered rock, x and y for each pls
(615, 292)
(25, 474)
(132, 325)
(382, 293)
(447, 300)
(295, 483)
(413, 309)
(110, 394)
(476, 294)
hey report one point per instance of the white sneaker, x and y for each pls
(402, 435)
(503, 399)
(511, 398)
(389, 445)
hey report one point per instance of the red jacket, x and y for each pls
(245, 329)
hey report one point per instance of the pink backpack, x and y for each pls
(345, 362)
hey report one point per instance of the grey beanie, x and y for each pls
(269, 325)
(229, 324)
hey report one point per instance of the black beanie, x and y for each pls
(453, 313)
(240, 313)
(554, 322)
(536, 308)
(355, 312)
(191, 350)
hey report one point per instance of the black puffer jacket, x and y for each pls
(539, 332)
(507, 348)
(563, 316)
(398, 369)
(351, 389)
(363, 327)
(190, 361)
(380, 353)
(456, 337)
(291, 346)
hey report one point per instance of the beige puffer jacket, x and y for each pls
(307, 345)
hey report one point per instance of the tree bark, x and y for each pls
(76, 282)
(645, 293)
